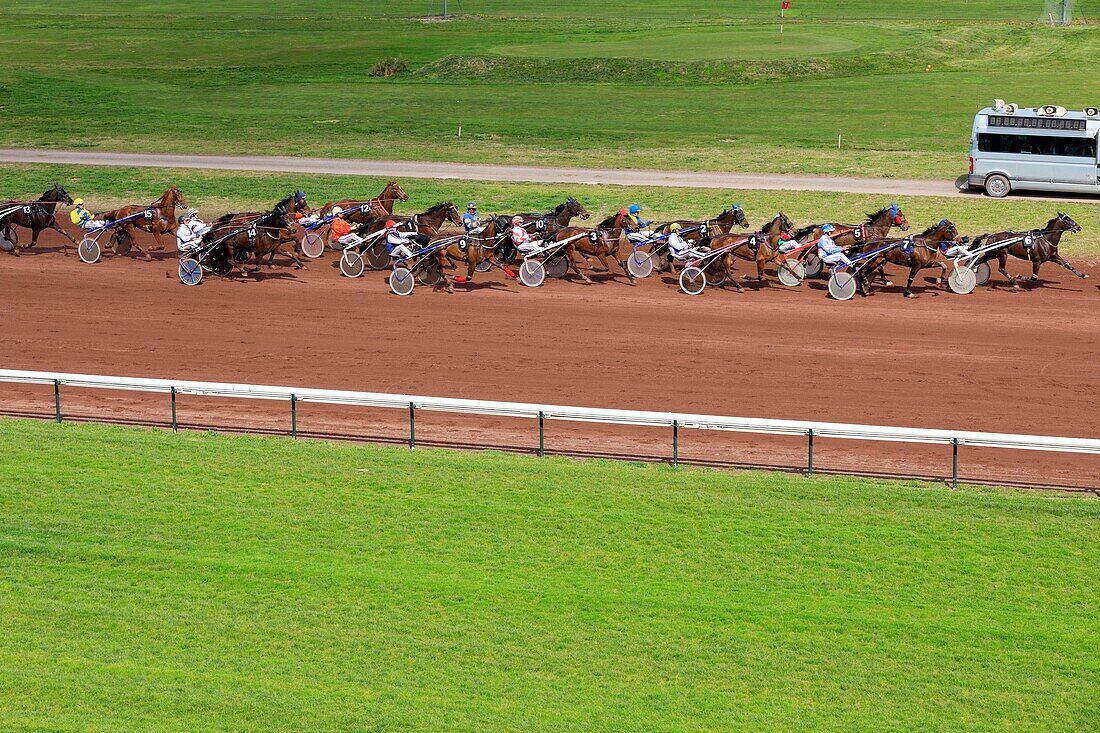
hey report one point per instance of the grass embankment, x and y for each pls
(151, 581)
(665, 84)
(216, 192)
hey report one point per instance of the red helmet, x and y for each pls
(391, 224)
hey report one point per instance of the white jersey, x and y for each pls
(190, 233)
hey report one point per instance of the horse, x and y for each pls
(877, 226)
(162, 221)
(761, 248)
(470, 248)
(543, 224)
(918, 252)
(692, 231)
(360, 212)
(1044, 248)
(34, 215)
(606, 242)
(266, 234)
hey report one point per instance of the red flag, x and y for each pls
(786, 4)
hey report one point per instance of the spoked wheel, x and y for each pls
(791, 273)
(351, 263)
(557, 266)
(222, 267)
(717, 277)
(121, 243)
(88, 250)
(962, 280)
(981, 273)
(7, 245)
(430, 274)
(532, 273)
(812, 265)
(842, 285)
(692, 280)
(190, 271)
(312, 245)
(640, 264)
(377, 256)
(331, 242)
(402, 281)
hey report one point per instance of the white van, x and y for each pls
(1042, 149)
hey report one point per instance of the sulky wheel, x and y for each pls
(842, 285)
(402, 281)
(532, 273)
(812, 265)
(981, 273)
(430, 274)
(88, 250)
(557, 266)
(122, 243)
(791, 273)
(484, 266)
(351, 263)
(640, 264)
(313, 246)
(692, 280)
(962, 280)
(7, 245)
(190, 271)
(377, 256)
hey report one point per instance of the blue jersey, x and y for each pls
(470, 221)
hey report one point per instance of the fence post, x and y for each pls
(954, 463)
(293, 416)
(174, 429)
(675, 443)
(412, 426)
(542, 435)
(810, 455)
(57, 400)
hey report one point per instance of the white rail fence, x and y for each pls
(675, 421)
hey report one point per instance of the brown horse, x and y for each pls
(600, 242)
(918, 252)
(698, 231)
(34, 215)
(1043, 247)
(360, 212)
(159, 218)
(470, 248)
(265, 235)
(761, 248)
(539, 225)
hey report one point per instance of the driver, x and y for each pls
(521, 237)
(398, 244)
(471, 222)
(84, 218)
(190, 231)
(634, 216)
(679, 248)
(828, 250)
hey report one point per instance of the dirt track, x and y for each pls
(995, 360)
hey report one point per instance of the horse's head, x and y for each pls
(736, 215)
(1064, 223)
(779, 223)
(453, 214)
(575, 208)
(393, 189)
(58, 194)
(176, 197)
(897, 218)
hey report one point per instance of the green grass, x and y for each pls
(667, 83)
(151, 581)
(216, 192)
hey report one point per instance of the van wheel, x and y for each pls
(997, 186)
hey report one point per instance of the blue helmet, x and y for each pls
(634, 208)
(471, 205)
(825, 229)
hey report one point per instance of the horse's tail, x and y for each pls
(979, 240)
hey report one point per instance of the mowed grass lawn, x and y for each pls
(216, 192)
(151, 581)
(625, 83)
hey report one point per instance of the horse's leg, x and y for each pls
(1002, 267)
(129, 231)
(1057, 258)
(760, 275)
(913, 270)
(570, 254)
(65, 247)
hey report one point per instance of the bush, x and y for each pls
(390, 66)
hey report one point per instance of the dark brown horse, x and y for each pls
(159, 218)
(539, 225)
(1043, 247)
(471, 249)
(692, 231)
(761, 248)
(918, 252)
(34, 215)
(264, 235)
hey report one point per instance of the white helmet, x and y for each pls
(192, 213)
(337, 210)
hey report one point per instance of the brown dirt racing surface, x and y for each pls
(995, 360)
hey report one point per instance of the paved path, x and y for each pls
(492, 172)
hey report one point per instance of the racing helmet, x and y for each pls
(78, 202)
(827, 228)
(192, 212)
(471, 205)
(337, 210)
(674, 227)
(634, 208)
(517, 219)
(390, 224)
